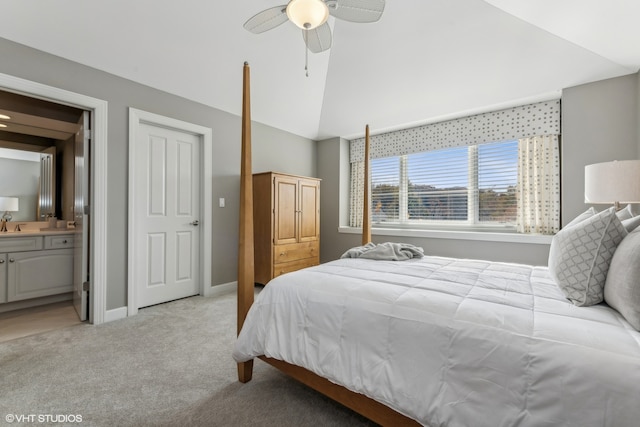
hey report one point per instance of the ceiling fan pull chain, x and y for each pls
(306, 61)
(306, 52)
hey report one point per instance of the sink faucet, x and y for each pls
(18, 227)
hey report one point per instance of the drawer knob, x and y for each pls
(283, 253)
(1, 261)
(12, 260)
(64, 241)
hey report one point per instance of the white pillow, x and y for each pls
(580, 256)
(631, 223)
(622, 289)
(625, 213)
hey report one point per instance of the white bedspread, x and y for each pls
(452, 342)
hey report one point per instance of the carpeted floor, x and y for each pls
(170, 365)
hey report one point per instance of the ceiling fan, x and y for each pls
(311, 16)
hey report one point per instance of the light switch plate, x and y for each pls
(221, 202)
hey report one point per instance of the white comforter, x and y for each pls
(452, 342)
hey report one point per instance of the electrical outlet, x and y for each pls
(221, 202)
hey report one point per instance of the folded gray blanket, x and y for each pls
(387, 251)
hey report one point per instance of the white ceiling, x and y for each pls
(425, 60)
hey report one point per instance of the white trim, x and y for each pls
(115, 314)
(222, 289)
(98, 108)
(537, 239)
(136, 117)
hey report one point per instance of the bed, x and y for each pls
(439, 341)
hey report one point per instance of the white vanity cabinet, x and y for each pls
(35, 266)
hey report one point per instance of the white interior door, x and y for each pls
(80, 217)
(167, 214)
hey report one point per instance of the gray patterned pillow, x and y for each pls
(580, 256)
(584, 215)
(622, 289)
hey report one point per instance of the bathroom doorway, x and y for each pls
(42, 169)
(96, 176)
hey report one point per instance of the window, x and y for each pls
(473, 185)
(455, 174)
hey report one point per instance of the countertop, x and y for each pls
(41, 232)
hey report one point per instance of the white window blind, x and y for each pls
(470, 185)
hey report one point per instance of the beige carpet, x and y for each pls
(170, 365)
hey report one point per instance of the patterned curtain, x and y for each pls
(355, 194)
(538, 191)
(525, 121)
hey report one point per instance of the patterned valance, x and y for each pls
(526, 121)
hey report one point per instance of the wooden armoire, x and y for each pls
(286, 215)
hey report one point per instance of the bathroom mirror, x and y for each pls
(37, 156)
(31, 177)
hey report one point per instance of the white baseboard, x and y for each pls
(115, 314)
(224, 288)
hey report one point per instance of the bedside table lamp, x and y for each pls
(612, 182)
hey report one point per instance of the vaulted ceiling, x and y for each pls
(425, 60)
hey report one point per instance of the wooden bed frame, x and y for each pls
(359, 403)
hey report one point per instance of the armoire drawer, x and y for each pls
(295, 251)
(287, 267)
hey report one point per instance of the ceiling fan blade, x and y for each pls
(267, 19)
(319, 39)
(356, 10)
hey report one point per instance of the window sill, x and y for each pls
(538, 239)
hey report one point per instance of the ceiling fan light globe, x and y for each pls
(307, 14)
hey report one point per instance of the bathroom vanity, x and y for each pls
(35, 264)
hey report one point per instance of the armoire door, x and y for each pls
(309, 210)
(285, 222)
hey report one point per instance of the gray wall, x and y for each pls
(600, 122)
(273, 150)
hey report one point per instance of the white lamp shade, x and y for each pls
(8, 204)
(307, 14)
(610, 182)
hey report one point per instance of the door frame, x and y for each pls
(136, 118)
(98, 171)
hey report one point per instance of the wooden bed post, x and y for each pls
(245, 240)
(366, 209)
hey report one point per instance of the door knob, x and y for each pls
(195, 223)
